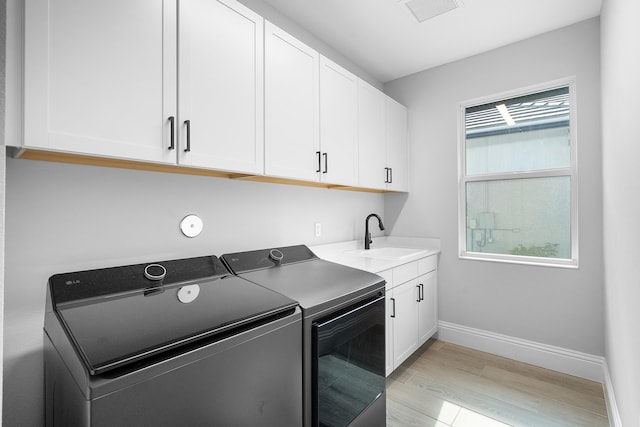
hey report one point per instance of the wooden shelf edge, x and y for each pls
(287, 181)
(363, 190)
(81, 159)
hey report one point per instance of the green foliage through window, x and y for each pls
(549, 250)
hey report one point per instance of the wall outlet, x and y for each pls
(318, 229)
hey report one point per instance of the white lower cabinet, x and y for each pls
(387, 275)
(404, 317)
(428, 307)
(412, 308)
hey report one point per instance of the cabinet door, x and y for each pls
(405, 323)
(428, 306)
(371, 137)
(100, 77)
(396, 144)
(220, 86)
(291, 107)
(387, 275)
(389, 337)
(338, 124)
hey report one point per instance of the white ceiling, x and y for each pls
(384, 38)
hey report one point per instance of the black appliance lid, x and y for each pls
(119, 315)
(315, 283)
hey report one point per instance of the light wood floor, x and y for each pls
(443, 384)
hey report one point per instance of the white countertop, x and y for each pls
(347, 253)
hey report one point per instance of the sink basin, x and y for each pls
(386, 253)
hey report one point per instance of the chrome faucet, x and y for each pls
(367, 235)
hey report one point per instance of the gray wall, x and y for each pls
(3, 24)
(621, 151)
(554, 306)
(64, 218)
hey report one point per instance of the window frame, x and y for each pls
(571, 171)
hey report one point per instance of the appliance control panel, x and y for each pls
(242, 262)
(79, 285)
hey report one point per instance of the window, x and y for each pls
(518, 178)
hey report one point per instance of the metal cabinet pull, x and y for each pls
(390, 175)
(319, 161)
(326, 159)
(188, 124)
(421, 292)
(387, 179)
(393, 304)
(173, 132)
(418, 286)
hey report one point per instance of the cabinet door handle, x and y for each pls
(326, 162)
(418, 286)
(319, 161)
(390, 175)
(393, 305)
(172, 121)
(421, 292)
(188, 125)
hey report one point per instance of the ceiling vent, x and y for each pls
(423, 10)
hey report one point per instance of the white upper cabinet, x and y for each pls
(100, 77)
(371, 137)
(220, 97)
(291, 107)
(396, 141)
(338, 124)
(382, 146)
(197, 83)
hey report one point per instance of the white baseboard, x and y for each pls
(610, 399)
(546, 356)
